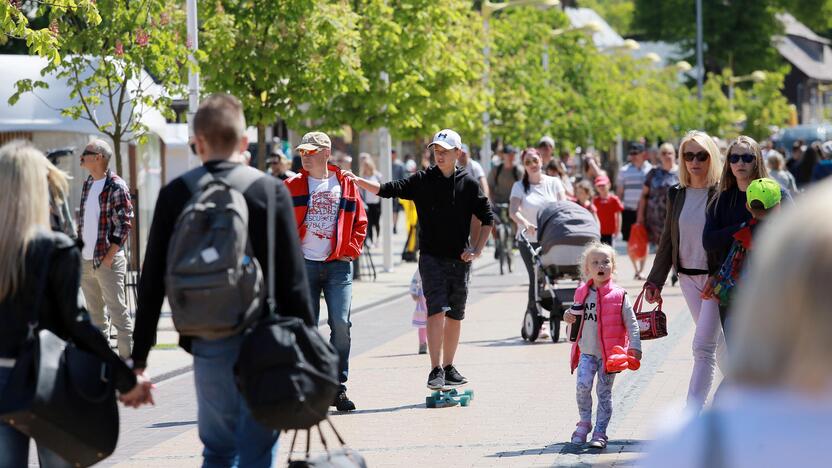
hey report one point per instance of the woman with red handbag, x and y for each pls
(680, 246)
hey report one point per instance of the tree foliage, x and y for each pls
(134, 60)
(45, 40)
(286, 59)
(430, 54)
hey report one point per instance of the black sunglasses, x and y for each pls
(89, 153)
(701, 156)
(747, 158)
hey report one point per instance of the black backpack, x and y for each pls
(286, 371)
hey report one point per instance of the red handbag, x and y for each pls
(637, 245)
(651, 324)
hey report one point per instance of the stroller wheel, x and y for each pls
(554, 328)
(531, 326)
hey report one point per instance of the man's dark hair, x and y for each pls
(221, 122)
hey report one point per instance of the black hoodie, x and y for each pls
(445, 206)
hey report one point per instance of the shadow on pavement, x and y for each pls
(395, 355)
(172, 424)
(613, 446)
(513, 341)
(378, 410)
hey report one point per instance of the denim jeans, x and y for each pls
(229, 433)
(588, 367)
(335, 280)
(14, 445)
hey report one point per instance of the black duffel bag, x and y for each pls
(286, 371)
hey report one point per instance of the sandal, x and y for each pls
(582, 430)
(599, 440)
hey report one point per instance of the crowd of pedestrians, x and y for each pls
(701, 207)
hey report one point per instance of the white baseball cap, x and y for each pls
(447, 139)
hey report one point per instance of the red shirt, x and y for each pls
(607, 208)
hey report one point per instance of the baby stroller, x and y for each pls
(563, 230)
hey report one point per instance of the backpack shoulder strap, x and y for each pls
(242, 177)
(197, 178)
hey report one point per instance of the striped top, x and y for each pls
(632, 179)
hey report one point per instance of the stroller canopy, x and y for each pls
(566, 223)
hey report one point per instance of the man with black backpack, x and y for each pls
(207, 252)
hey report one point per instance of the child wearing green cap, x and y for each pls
(762, 199)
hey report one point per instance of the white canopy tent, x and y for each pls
(37, 117)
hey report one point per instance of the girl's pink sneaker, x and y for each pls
(581, 431)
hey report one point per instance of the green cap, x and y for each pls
(766, 191)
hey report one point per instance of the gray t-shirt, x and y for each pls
(589, 342)
(692, 255)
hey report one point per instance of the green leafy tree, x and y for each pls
(423, 65)
(43, 38)
(114, 65)
(737, 33)
(763, 105)
(618, 13)
(286, 59)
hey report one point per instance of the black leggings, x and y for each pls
(527, 259)
(373, 220)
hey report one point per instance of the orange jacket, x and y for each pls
(351, 227)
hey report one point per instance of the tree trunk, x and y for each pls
(356, 149)
(117, 155)
(261, 147)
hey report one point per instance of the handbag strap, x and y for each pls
(33, 315)
(639, 304)
(271, 213)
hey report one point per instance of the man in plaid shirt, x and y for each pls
(103, 227)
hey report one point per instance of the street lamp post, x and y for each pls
(193, 76)
(489, 8)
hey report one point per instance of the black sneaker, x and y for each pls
(436, 378)
(343, 402)
(453, 377)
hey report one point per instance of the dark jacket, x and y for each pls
(667, 253)
(724, 217)
(291, 288)
(53, 266)
(445, 206)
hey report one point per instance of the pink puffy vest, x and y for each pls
(611, 329)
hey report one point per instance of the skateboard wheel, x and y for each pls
(430, 402)
(435, 394)
(469, 394)
(464, 400)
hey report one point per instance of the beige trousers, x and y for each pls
(105, 286)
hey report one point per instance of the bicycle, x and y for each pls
(503, 237)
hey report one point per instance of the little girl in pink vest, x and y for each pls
(608, 321)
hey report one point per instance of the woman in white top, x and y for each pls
(778, 404)
(373, 201)
(528, 196)
(680, 246)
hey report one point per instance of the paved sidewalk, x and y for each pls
(524, 408)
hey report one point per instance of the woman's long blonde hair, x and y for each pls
(782, 329)
(714, 162)
(25, 208)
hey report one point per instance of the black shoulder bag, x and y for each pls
(286, 371)
(59, 395)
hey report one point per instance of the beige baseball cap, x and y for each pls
(314, 140)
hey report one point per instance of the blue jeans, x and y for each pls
(335, 280)
(14, 445)
(229, 433)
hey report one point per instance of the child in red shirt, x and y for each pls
(609, 209)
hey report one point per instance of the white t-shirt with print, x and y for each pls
(321, 218)
(92, 211)
(549, 190)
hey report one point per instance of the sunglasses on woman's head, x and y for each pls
(701, 156)
(747, 158)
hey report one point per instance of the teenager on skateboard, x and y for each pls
(446, 197)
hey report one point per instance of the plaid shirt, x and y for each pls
(114, 219)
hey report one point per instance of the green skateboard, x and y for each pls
(449, 396)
